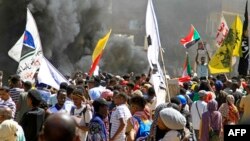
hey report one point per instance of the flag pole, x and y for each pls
(165, 73)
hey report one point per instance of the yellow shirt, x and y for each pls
(245, 104)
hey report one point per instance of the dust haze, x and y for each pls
(70, 29)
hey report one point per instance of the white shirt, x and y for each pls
(196, 116)
(121, 111)
(202, 70)
(82, 120)
(53, 109)
(68, 104)
(171, 135)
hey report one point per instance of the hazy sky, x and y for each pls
(70, 29)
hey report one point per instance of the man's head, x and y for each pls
(4, 93)
(5, 113)
(59, 127)
(61, 97)
(15, 81)
(202, 94)
(101, 107)
(77, 97)
(70, 89)
(34, 98)
(137, 103)
(203, 60)
(120, 98)
(27, 85)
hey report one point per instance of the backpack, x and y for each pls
(82, 113)
(144, 129)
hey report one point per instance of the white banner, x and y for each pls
(154, 46)
(222, 31)
(31, 53)
(49, 75)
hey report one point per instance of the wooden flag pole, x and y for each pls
(165, 73)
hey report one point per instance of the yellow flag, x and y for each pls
(237, 28)
(97, 54)
(100, 46)
(221, 60)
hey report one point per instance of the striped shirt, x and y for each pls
(14, 94)
(9, 103)
(123, 112)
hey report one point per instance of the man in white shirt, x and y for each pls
(202, 66)
(197, 109)
(119, 118)
(59, 106)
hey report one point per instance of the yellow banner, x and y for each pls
(221, 60)
(237, 28)
(100, 46)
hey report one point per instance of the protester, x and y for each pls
(35, 116)
(97, 127)
(229, 112)
(22, 106)
(156, 133)
(6, 100)
(59, 127)
(119, 118)
(59, 106)
(245, 104)
(81, 112)
(202, 66)
(173, 123)
(197, 109)
(211, 121)
(140, 118)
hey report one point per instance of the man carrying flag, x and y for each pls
(192, 37)
(243, 63)
(202, 66)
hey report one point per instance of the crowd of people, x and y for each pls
(118, 108)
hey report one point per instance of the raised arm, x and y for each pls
(197, 57)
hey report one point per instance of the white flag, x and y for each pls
(31, 53)
(222, 31)
(154, 45)
(49, 75)
(16, 50)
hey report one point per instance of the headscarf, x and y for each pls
(173, 119)
(212, 118)
(212, 106)
(8, 130)
(106, 94)
(229, 111)
(230, 99)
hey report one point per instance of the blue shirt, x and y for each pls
(97, 129)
